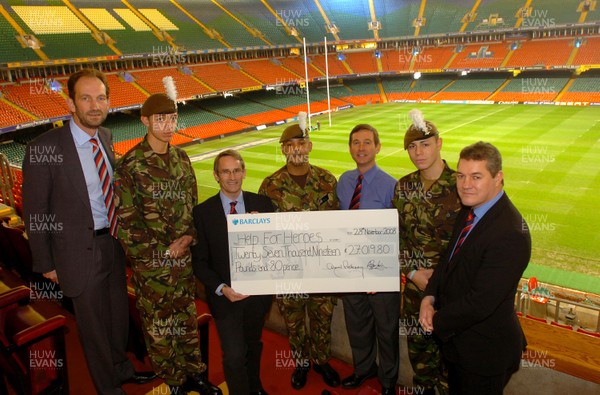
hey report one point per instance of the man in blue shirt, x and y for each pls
(371, 318)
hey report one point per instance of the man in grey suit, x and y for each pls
(67, 205)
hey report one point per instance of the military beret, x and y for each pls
(415, 133)
(293, 132)
(158, 103)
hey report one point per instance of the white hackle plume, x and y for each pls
(170, 88)
(302, 118)
(418, 120)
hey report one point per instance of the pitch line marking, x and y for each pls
(212, 154)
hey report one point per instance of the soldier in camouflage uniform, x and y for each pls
(300, 186)
(428, 204)
(155, 190)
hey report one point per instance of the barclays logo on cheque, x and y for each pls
(251, 221)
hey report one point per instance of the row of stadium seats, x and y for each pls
(65, 33)
(36, 98)
(534, 53)
(10, 116)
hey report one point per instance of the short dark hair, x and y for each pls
(228, 152)
(93, 73)
(364, 126)
(483, 151)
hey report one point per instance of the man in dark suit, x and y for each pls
(239, 318)
(469, 301)
(69, 213)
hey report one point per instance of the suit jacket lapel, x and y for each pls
(480, 228)
(73, 165)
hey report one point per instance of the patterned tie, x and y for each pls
(464, 232)
(232, 210)
(107, 188)
(355, 202)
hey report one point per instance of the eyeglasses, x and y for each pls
(235, 172)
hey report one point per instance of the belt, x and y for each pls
(100, 232)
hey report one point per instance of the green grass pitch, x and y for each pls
(551, 161)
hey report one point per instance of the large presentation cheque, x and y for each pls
(314, 251)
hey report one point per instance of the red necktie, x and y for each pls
(232, 210)
(464, 232)
(107, 189)
(355, 202)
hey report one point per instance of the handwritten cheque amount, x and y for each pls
(314, 252)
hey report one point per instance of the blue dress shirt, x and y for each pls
(90, 172)
(377, 192)
(240, 207)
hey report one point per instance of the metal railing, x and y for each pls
(523, 301)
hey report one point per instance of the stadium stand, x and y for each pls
(396, 17)
(36, 97)
(232, 31)
(123, 94)
(535, 53)
(551, 12)
(471, 87)
(397, 88)
(263, 20)
(304, 17)
(493, 14)
(267, 71)
(362, 92)
(443, 17)
(152, 82)
(296, 65)
(232, 107)
(362, 62)
(11, 50)
(14, 151)
(223, 77)
(125, 127)
(335, 66)
(350, 17)
(190, 35)
(432, 58)
(60, 32)
(589, 52)
(584, 88)
(476, 56)
(396, 60)
(11, 116)
(533, 87)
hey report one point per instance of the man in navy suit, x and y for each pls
(469, 301)
(239, 318)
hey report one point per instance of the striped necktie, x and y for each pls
(107, 188)
(355, 202)
(232, 210)
(464, 232)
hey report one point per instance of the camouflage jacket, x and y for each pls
(154, 200)
(318, 194)
(426, 218)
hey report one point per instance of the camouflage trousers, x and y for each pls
(169, 321)
(423, 351)
(309, 340)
